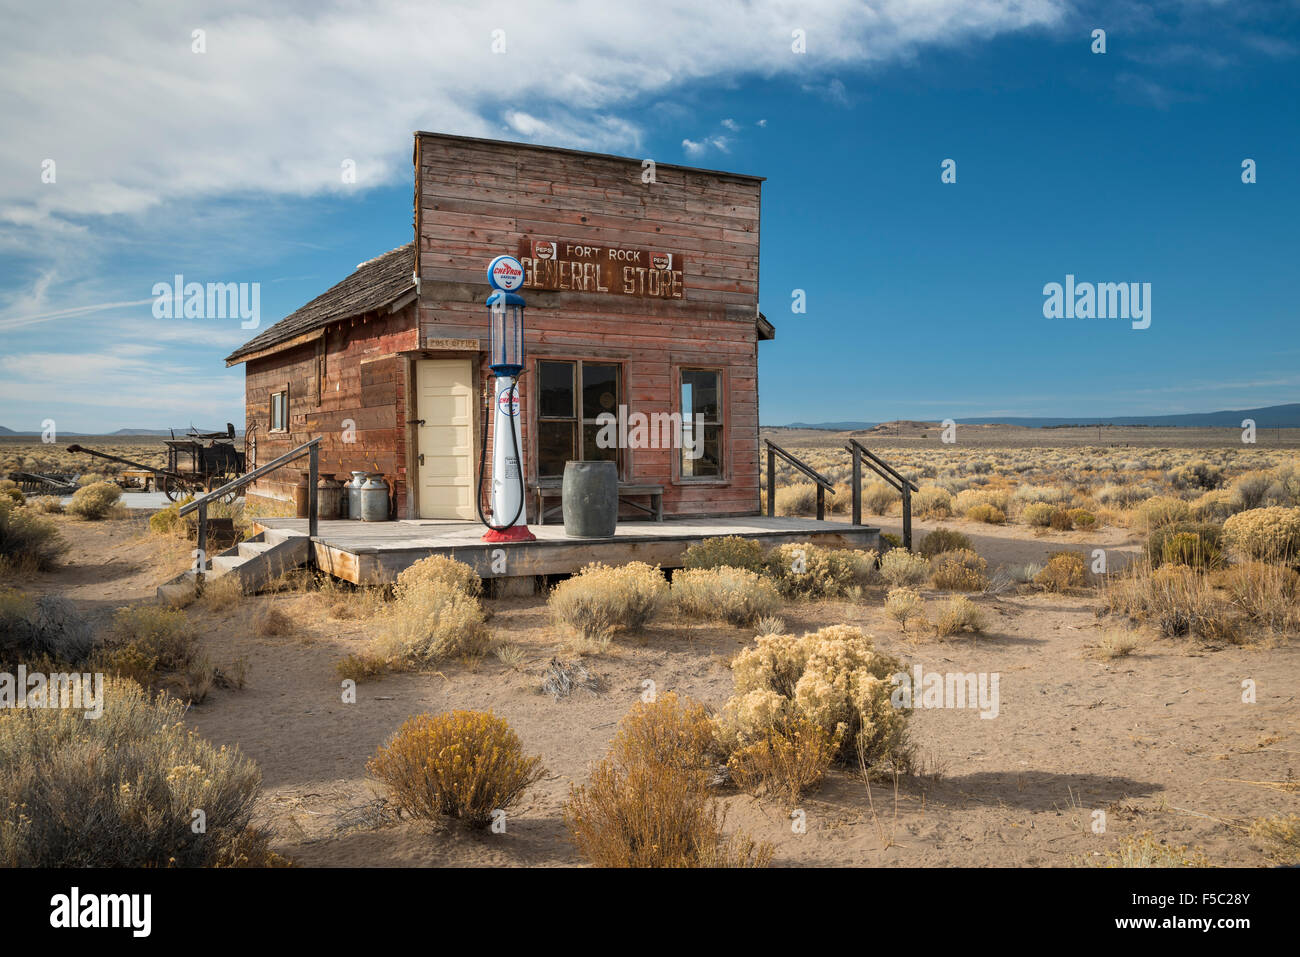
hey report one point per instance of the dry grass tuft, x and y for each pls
(647, 803)
(959, 614)
(1144, 850)
(274, 623)
(733, 595)
(120, 791)
(788, 761)
(1116, 643)
(600, 600)
(96, 501)
(1280, 835)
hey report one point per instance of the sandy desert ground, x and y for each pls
(1159, 740)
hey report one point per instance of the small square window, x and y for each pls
(280, 411)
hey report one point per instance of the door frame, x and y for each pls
(412, 392)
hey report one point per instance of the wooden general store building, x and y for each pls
(641, 294)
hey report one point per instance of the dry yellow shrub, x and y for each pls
(960, 614)
(431, 621)
(647, 803)
(731, 594)
(669, 730)
(932, 502)
(833, 677)
(959, 570)
(903, 604)
(600, 599)
(1162, 510)
(434, 570)
(95, 501)
(1063, 571)
(804, 570)
(463, 764)
(1269, 534)
(729, 551)
(789, 760)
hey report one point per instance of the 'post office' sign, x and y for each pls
(554, 265)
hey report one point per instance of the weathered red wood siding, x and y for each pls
(476, 200)
(365, 383)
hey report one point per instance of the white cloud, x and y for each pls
(158, 149)
(286, 92)
(125, 380)
(700, 147)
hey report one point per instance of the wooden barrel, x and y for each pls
(589, 499)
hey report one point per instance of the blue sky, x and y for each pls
(924, 299)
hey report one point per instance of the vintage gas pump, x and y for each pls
(506, 311)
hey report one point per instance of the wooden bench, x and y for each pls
(551, 488)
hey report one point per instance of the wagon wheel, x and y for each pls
(178, 490)
(216, 481)
(170, 488)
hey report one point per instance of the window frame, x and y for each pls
(271, 416)
(576, 419)
(723, 476)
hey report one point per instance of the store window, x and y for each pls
(571, 394)
(701, 409)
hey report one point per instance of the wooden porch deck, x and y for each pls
(373, 553)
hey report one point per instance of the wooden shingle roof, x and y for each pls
(374, 285)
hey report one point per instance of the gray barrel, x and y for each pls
(590, 499)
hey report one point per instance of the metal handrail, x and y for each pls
(252, 476)
(824, 484)
(898, 479)
(310, 449)
(891, 475)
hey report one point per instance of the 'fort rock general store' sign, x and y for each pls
(618, 270)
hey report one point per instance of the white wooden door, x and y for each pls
(445, 441)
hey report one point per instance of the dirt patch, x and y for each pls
(1159, 740)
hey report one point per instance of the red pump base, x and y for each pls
(515, 533)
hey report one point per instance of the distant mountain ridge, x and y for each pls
(150, 432)
(1269, 417)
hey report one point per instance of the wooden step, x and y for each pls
(256, 563)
